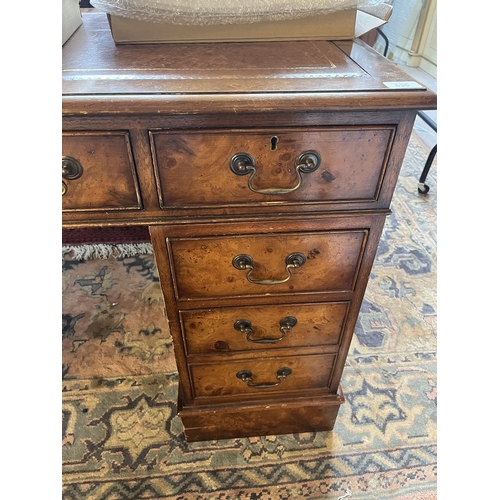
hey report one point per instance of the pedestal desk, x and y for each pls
(265, 172)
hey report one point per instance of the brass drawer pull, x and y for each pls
(293, 261)
(281, 374)
(245, 326)
(243, 164)
(71, 169)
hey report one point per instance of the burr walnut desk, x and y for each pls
(265, 172)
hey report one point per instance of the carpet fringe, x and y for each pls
(105, 251)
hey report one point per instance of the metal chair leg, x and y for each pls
(386, 40)
(422, 187)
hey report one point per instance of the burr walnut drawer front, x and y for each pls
(268, 264)
(263, 376)
(98, 172)
(239, 329)
(221, 168)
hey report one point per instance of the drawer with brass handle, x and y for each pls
(263, 377)
(268, 264)
(250, 328)
(98, 172)
(221, 168)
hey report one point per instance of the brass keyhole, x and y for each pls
(274, 143)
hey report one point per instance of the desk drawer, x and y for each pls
(98, 172)
(269, 264)
(263, 377)
(240, 329)
(274, 166)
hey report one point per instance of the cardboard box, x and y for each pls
(369, 18)
(71, 18)
(341, 25)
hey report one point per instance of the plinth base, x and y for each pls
(206, 423)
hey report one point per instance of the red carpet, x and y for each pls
(90, 236)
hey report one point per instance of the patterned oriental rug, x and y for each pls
(122, 440)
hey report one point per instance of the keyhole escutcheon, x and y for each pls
(274, 143)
